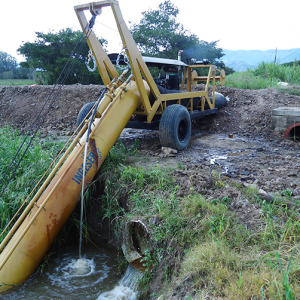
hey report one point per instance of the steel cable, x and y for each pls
(37, 123)
(84, 166)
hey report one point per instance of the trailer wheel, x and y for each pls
(175, 127)
(85, 109)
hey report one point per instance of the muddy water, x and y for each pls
(222, 150)
(60, 279)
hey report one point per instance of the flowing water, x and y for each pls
(63, 278)
(127, 286)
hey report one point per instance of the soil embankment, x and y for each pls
(19, 106)
(254, 155)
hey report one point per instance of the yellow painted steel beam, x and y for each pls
(104, 64)
(136, 61)
(175, 96)
(183, 79)
(40, 190)
(204, 78)
(92, 6)
(189, 79)
(31, 241)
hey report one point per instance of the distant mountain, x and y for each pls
(241, 60)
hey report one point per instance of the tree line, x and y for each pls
(157, 34)
(10, 69)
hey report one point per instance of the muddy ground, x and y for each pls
(237, 145)
(254, 155)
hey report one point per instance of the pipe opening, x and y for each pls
(136, 243)
(140, 236)
(293, 132)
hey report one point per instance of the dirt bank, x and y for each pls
(19, 106)
(253, 156)
(248, 112)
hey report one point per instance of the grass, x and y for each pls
(35, 163)
(17, 81)
(248, 80)
(216, 255)
(266, 75)
(198, 244)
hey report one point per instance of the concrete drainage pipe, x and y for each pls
(136, 241)
(293, 132)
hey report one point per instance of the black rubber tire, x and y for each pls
(85, 109)
(175, 127)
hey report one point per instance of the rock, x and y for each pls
(267, 197)
(25, 89)
(282, 84)
(292, 173)
(167, 150)
(242, 203)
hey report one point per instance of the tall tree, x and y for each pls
(7, 63)
(159, 34)
(50, 52)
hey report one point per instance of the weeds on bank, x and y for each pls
(234, 263)
(34, 164)
(266, 75)
(290, 74)
(248, 80)
(216, 253)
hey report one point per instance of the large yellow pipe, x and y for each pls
(30, 243)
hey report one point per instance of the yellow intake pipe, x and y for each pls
(32, 240)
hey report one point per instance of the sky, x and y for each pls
(236, 24)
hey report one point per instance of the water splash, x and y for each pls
(77, 274)
(131, 278)
(126, 290)
(82, 267)
(59, 280)
(119, 293)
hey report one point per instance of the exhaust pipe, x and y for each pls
(179, 54)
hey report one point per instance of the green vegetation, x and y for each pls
(198, 243)
(160, 34)
(35, 163)
(9, 68)
(16, 81)
(248, 80)
(51, 51)
(266, 75)
(291, 64)
(290, 74)
(214, 253)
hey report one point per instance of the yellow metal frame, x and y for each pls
(140, 69)
(29, 239)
